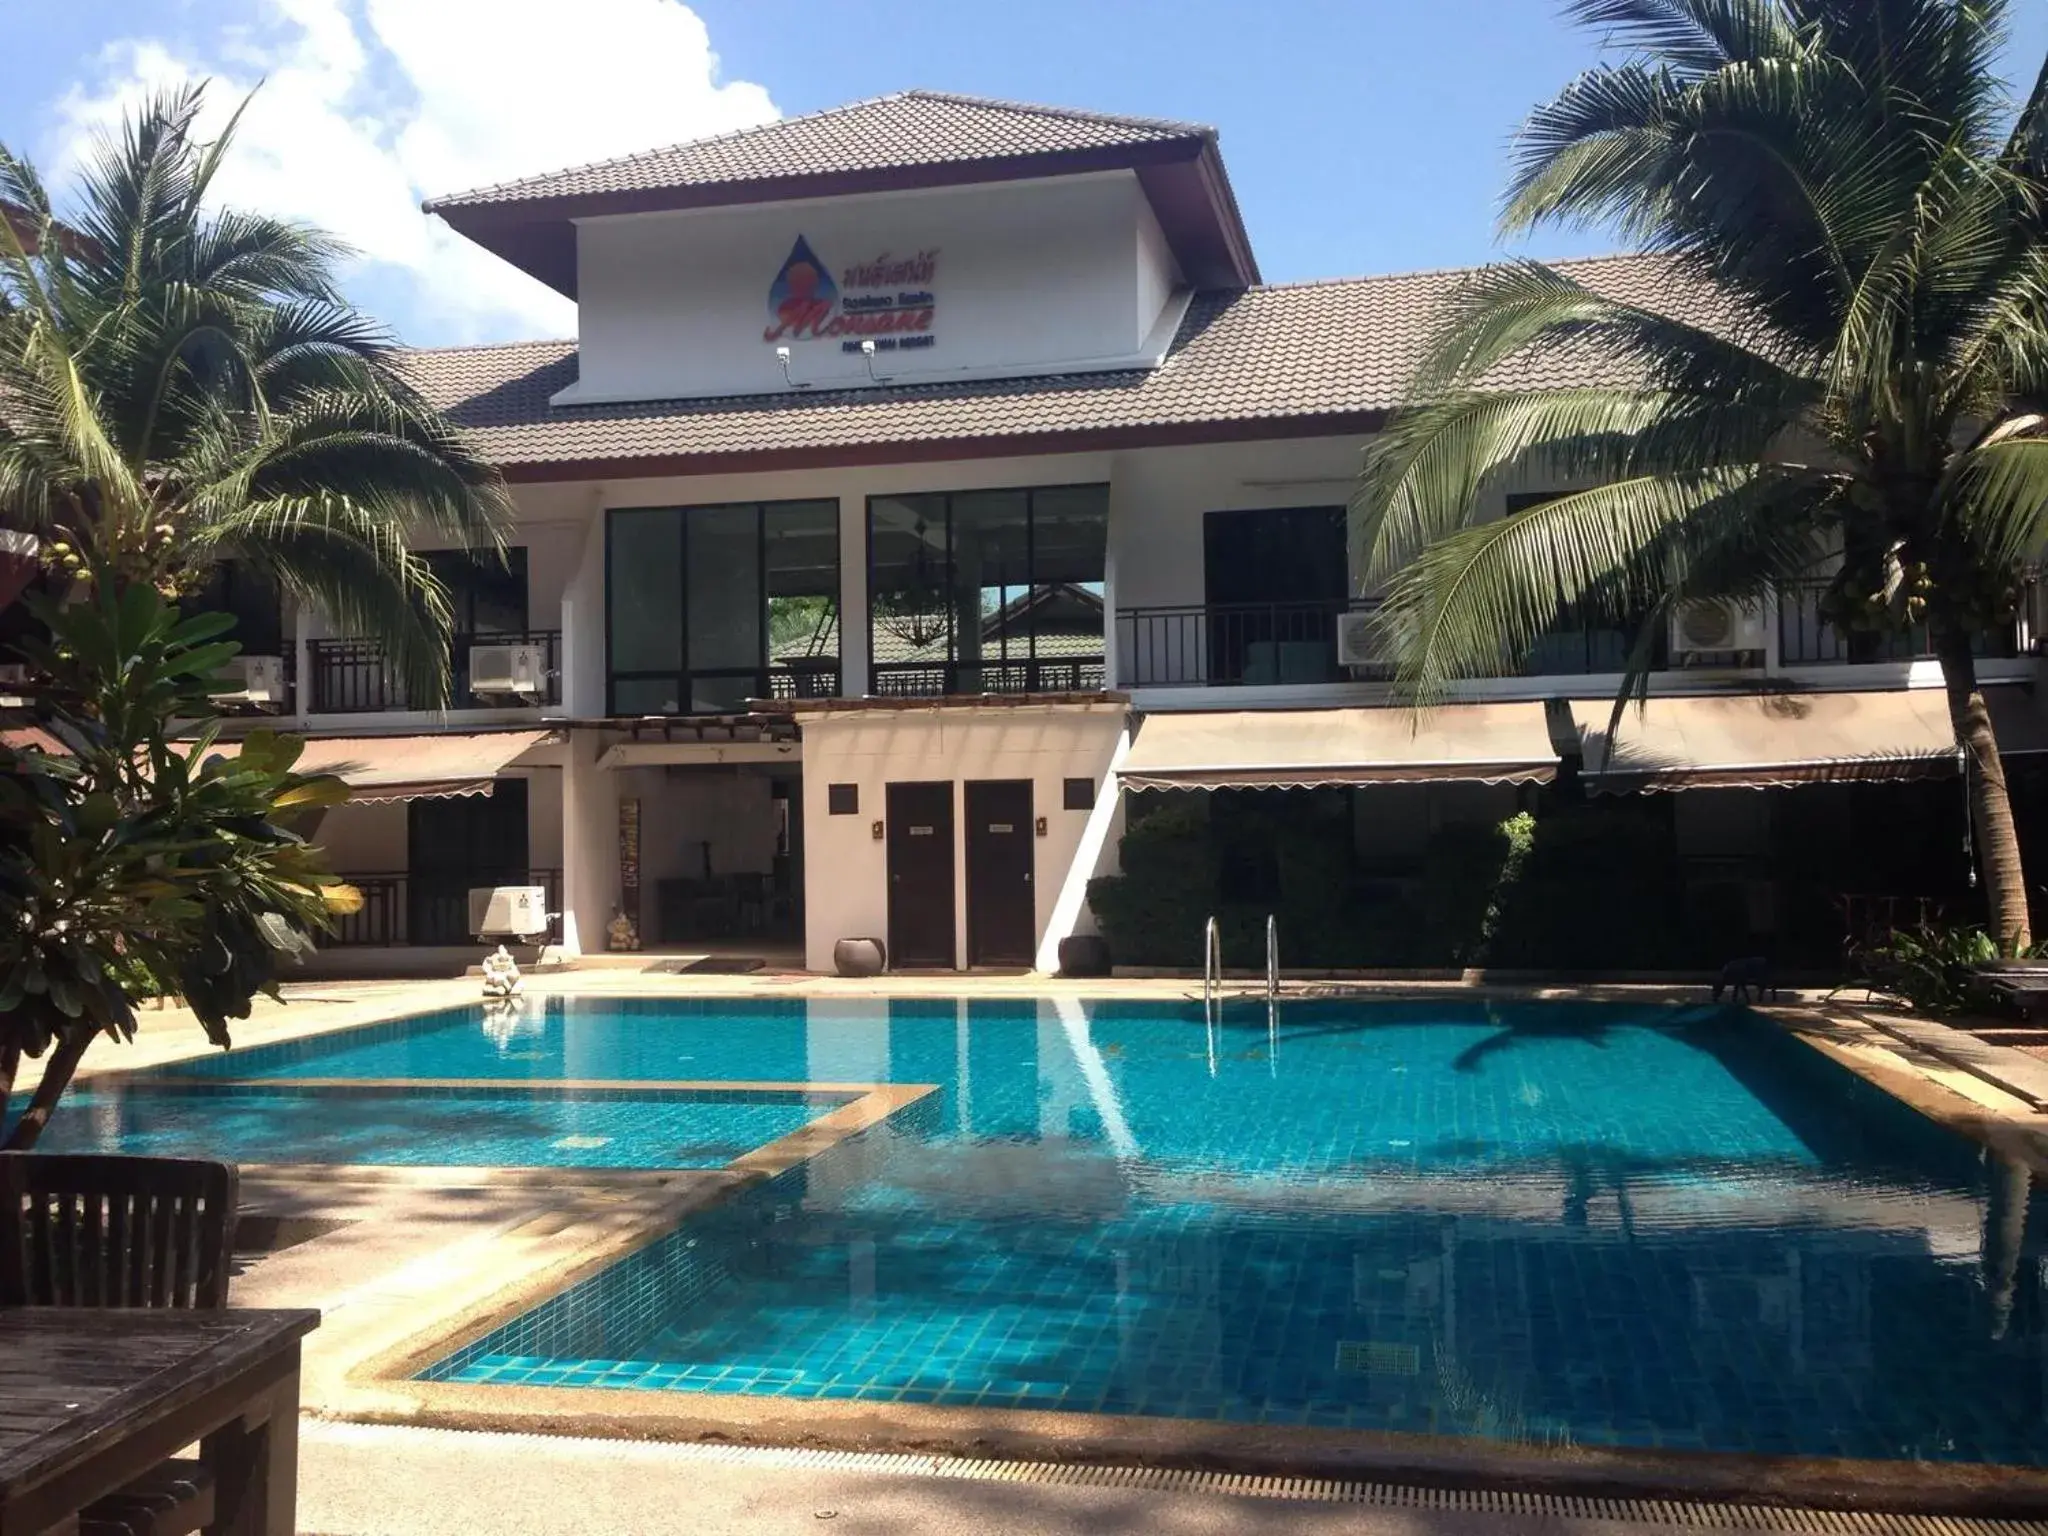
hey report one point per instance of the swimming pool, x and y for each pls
(1559, 1223)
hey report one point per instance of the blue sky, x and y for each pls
(1361, 135)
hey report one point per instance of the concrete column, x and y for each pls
(583, 626)
(590, 835)
(853, 597)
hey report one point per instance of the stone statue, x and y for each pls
(620, 934)
(501, 974)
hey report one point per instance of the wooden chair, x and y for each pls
(86, 1231)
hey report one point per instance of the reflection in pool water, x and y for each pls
(1555, 1222)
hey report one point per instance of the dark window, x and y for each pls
(710, 607)
(987, 591)
(1522, 501)
(1275, 579)
(1079, 794)
(486, 595)
(842, 799)
(251, 598)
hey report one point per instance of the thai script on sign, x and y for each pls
(890, 271)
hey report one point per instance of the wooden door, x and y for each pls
(921, 880)
(1002, 919)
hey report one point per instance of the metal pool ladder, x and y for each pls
(1212, 986)
(1272, 995)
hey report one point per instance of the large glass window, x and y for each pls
(250, 597)
(710, 607)
(987, 591)
(486, 595)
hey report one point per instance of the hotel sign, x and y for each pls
(886, 300)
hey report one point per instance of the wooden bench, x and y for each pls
(91, 1231)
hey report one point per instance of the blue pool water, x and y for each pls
(423, 1127)
(1550, 1222)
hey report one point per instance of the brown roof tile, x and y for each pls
(884, 133)
(1271, 361)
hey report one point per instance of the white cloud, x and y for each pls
(368, 106)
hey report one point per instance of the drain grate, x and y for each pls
(1462, 1501)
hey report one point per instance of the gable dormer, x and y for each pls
(917, 238)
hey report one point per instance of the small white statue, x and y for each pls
(501, 974)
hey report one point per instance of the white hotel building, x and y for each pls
(804, 638)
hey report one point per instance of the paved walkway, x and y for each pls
(360, 1480)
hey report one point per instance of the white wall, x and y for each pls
(365, 839)
(846, 891)
(1029, 277)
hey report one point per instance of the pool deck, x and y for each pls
(408, 1263)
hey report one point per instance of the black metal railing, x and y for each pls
(1228, 645)
(400, 908)
(932, 679)
(351, 676)
(1807, 638)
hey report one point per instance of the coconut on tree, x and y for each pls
(183, 385)
(1859, 210)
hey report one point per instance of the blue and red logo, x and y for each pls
(803, 295)
(885, 298)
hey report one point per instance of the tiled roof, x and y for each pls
(910, 128)
(1277, 358)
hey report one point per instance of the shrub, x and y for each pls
(1152, 913)
(1933, 967)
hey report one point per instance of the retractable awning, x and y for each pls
(424, 767)
(1774, 740)
(1303, 748)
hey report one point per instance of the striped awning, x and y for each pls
(1776, 740)
(1305, 748)
(422, 767)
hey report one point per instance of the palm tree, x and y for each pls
(1857, 221)
(182, 385)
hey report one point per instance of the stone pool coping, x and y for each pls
(363, 1370)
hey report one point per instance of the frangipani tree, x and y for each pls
(125, 853)
(1855, 219)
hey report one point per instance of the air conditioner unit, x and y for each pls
(508, 911)
(519, 670)
(257, 680)
(1707, 633)
(1358, 641)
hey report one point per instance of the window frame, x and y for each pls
(1030, 493)
(683, 672)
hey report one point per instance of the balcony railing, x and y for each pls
(931, 679)
(400, 908)
(352, 676)
(1234, 645)
(1806, 638)
(1225, 645)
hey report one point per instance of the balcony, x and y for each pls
(1234, 645)
(400, 909)
(1806, 638)
(352, 677)
(1044, 674)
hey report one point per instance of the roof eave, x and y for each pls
(1183, 178)
(1342, 423)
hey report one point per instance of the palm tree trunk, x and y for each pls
(64, 1059)
(1998, 845)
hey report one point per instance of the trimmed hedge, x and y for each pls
(1587, 887)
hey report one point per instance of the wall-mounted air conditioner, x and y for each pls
(1358, 642)
(508, 911)
(254, 680)
(1715, 633)
(499, 670)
